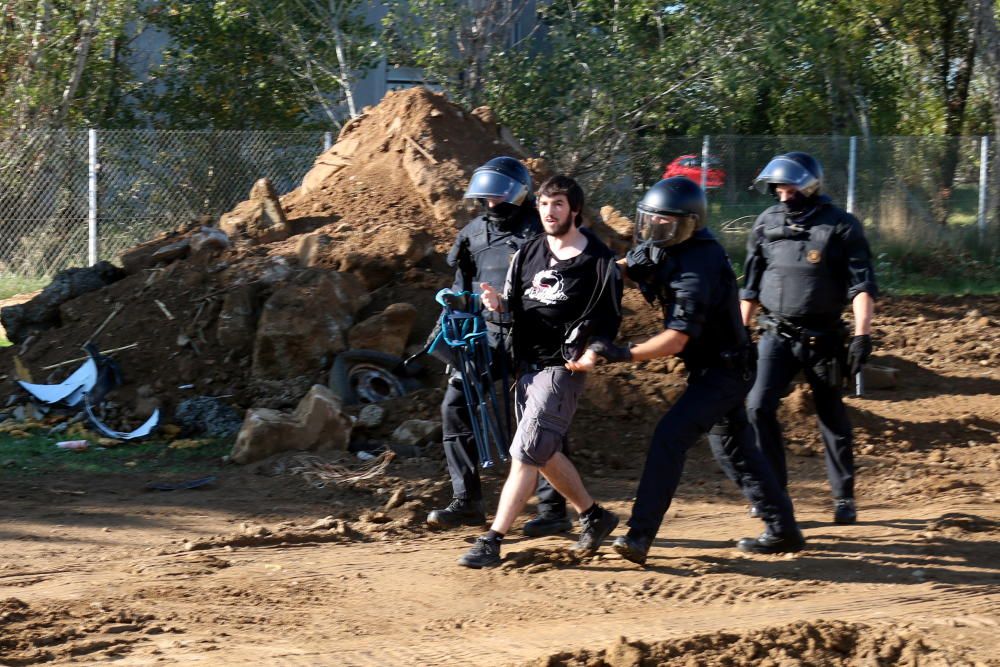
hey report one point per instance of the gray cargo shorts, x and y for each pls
(545, 401)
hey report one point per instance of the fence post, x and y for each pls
(852, 173)
(984, 159)
(92, 197)
(327, 141)
(704, 161)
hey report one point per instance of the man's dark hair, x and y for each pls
(560, 184)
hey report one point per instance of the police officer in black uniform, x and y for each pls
(806, 260)
(681, 265)
(482, 253)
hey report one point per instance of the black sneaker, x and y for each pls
(484, 553)
(633, 547)
(460, 512)
(594, 530)
(844, 511)
(769, 543)
(547, 524)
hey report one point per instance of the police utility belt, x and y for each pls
(799, 334)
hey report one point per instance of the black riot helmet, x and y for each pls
(503, 179)
(796, 168)
(670, 212)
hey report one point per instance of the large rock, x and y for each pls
(386, 332)
(163, 249)
(312, 248)
(208, 240)
(415, 432)
(260, 218)
(317, 424)
(42, 312)
(237, 322)
(305, 322)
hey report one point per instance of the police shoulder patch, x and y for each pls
(814, 256)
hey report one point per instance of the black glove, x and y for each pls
(611, 352)
(639, 263)
(858, 353)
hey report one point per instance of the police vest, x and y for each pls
(806, 265)
(485, 251)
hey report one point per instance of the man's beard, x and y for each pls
(562, 228)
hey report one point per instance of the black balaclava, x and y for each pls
(501, 216)
(799, 203)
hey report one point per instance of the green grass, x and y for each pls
(38, 455)
(11, 285)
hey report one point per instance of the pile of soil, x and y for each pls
(832, 643)
(382, 204)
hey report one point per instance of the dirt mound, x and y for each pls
(86, 632)
(831, 643)
(379, 207)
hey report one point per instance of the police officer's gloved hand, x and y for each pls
(639, 263)
(858, 352)
(611, 352)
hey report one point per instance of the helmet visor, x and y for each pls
(486, 184)
(657, 228)
(784, 171)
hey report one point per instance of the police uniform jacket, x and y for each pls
(806, 268)
(696, 287)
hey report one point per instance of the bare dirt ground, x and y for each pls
(265, 568)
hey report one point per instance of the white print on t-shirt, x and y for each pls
(546, 287)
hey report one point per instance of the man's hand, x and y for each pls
(585, 364)
(639, 265)
(489, 296)
(611, 352)
(858, 352)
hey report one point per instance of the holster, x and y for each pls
(823, 350)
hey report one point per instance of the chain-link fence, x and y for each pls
(65, 194)
(907, 189)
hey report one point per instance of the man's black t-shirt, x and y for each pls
(548, 297)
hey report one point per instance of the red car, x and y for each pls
(690, 166)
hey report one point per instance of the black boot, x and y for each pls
(547, 524)
(769, 543)
(460, 512)
(484, 553)
(633, 546)
(844, 511)
(595, 526)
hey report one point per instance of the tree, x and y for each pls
(452, 41)
(49, 51)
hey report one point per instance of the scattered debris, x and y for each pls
(188, 484)
(319, 473)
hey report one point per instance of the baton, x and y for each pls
(859, 383)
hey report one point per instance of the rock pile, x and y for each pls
(256, 306)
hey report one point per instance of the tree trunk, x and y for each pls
(955, 82)
(25, 108)
(88, 28)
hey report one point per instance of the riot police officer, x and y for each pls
(481, 254)
(806, 260)
(679, 263)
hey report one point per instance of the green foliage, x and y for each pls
(61, 61)
(222, 70)
(11, 285)
(37, 454)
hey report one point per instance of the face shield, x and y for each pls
(660, 229)
(492, 185)
(785, 171)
